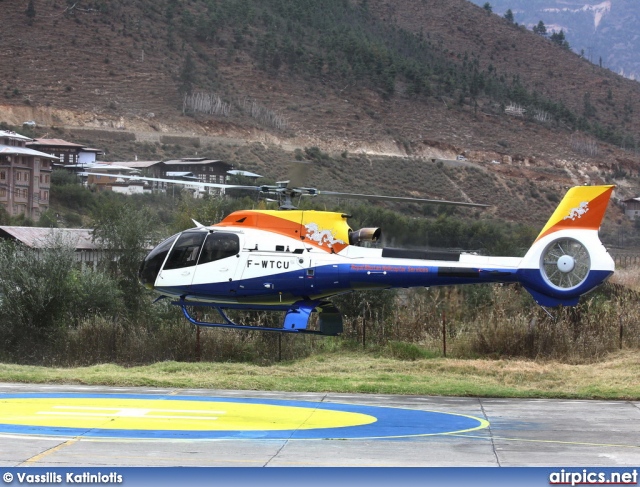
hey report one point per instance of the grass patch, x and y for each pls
(355, 372)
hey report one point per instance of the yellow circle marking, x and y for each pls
(141, 414)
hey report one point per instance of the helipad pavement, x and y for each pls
(95, 426)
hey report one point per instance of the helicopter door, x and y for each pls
(324, 276)
(218, 260)
(179, 268)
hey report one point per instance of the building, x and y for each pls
(188, 169)
(206, 170)
(152, 169)
(25, 176)
(632, 208)
(87, 155)
(244, 174)
(113, 182)
(67, 153)
(39, 239)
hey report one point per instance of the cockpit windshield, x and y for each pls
(152, 264)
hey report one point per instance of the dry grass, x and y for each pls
(628, 277)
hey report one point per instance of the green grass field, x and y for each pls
(615, 377)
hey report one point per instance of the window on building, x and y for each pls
(45, 195)
(18, 176)
(3, 175)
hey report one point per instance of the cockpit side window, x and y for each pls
(186, 250)
(219, 246)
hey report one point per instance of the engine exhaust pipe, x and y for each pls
(365, 235)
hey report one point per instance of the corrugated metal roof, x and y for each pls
(100, 167)
(238, 172)
(191, 162)
(42, 238)
(138, 164)
(54, 143)
(11, 150)
(13, 135)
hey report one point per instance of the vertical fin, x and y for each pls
(583, 207)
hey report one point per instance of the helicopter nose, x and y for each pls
(152, 264)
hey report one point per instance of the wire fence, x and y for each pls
(627, 260)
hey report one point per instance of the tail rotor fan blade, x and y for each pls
(565, 263)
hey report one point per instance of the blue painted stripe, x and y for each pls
(336, 278)
(534, 281)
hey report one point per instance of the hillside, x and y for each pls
(358, 80)
(603, 31)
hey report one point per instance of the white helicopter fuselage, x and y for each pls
(264, 258)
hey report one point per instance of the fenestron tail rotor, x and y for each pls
(565, 263)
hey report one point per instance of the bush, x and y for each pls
(44, 292)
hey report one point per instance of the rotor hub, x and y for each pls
(566, 263)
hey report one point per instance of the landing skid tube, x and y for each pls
(296, 319)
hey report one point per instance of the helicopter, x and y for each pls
(293, 261)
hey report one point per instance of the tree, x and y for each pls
(187, 75)
(31, 11)
(124, 232)
(509, 15)
(487, 6)
(540, 29)
(559, 38)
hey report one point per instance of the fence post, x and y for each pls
(621, 331)
(279, 347)
(444, 334)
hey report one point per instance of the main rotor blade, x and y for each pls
(400, 198)
(178, 181)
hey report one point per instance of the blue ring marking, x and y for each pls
(391, 422)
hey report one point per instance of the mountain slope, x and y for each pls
(423, 78)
